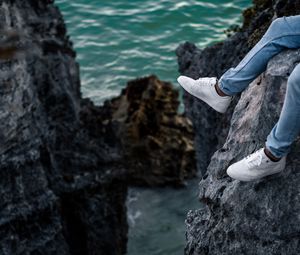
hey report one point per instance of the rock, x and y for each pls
(212, 128)
(242, 218)
(157, 141)
(258, 217)
(63, 187)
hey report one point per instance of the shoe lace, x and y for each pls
(208, 81)
(254, 159)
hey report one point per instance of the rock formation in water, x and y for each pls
(63, 188)
(157, 141)
(260, 217)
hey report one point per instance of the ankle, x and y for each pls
(270, 155)
(219, 91)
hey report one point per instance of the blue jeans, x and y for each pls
(283, 33)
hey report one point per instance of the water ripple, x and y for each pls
(120, 40)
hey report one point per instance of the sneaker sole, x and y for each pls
(254, 179)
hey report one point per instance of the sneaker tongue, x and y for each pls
(255, 161)
(256, 158)
(213, 80)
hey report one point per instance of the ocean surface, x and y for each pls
(120, 40)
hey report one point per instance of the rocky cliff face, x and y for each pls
(243, 218)
(212, 127)
(62, 186)
(250, 218)
(65, 164)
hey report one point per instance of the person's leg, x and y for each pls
(283, 33)
(288, 126)
(258, 164)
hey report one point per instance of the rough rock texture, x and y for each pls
(157, 141)
(261, 217)
(212, 127)
(62, 187)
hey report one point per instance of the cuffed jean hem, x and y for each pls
(277, 153)
(224, 90)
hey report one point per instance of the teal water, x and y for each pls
(120, 40)
(156, 219)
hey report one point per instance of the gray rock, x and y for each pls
(211, 128)
(260, 217)
(62, 185)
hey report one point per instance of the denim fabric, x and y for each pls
(283, 33)
(287, 128)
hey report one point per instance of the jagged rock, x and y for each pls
(212, 127)
(63, 188)
(258, 217)
(243, 218)
(157, 141)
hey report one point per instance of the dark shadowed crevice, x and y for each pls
(74, 229)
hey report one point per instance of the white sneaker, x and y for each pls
(204, 89)
(255, 166)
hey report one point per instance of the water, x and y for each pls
(120, 40)
(156, 219)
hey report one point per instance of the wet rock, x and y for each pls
(157, 141)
